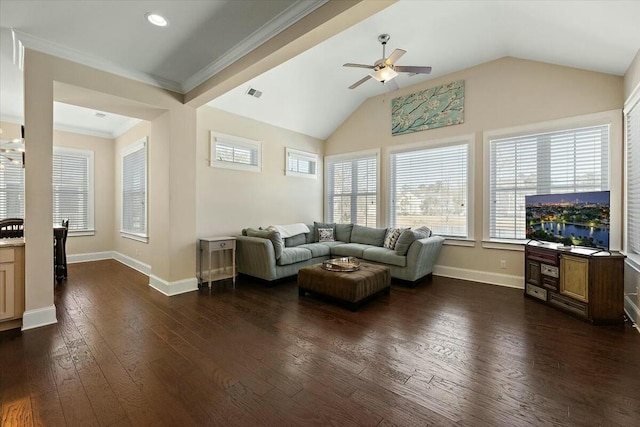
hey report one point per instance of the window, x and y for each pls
(233, 152)
(429, 186)
(352, 188)
(134, 191)
(632, 146)
(573, 159)
(11, 190)
(301, 163)
(73, 189)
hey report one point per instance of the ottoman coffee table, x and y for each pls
(350, 287)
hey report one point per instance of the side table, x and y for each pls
(221, 245)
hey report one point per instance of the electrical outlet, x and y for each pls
(503, 264)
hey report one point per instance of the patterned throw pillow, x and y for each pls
(391, 238)
(325, 235)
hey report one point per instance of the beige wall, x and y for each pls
(632, 274)
(103, 191)
(500, 94)
(229, 200)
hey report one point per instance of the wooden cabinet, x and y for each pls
(11, 286)
(581, 281)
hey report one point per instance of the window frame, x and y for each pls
(236, 142)
(469, 141)
(301, 155)
(355, 155)
(613, 118)
(128, 150)
(89, 155)
(632, 102)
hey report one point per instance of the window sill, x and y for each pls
(508, 245)
(80, 233)
(137, 237)
(452, 241)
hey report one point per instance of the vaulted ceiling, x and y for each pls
(309, 93)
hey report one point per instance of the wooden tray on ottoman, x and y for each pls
(352, 287)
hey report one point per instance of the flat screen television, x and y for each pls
(572, 219)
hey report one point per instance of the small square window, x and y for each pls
(234, 152)
(301, 163)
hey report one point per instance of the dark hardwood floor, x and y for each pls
(447, 352)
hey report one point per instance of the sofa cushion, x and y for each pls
(318, 225)
(349, 249)
(271, 234)
(407, 237)
(368, 235)
(297, 240)
(331, 244)
(343, 232)
(391, 238)
(317, 249)
(326, 235)
(385, 256)
(294, 255)
(311, 235)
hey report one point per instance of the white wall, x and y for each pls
(500, 94)
(229, 200)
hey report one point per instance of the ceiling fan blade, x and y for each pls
(391, 85)
(358, 66)
(410, 69)
(395, 55)
(359, 82)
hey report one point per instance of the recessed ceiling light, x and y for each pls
(157, 20)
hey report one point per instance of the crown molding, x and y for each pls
(54, 49)
(275, 26)
(283, 20)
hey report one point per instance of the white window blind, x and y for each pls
(134, 190)
(73, 188)
(11, 190)
(632, 130)
(233, 152)
(352, 189)
(301, 163)
(565, 161)
(429, 187)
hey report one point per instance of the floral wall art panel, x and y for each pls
(432, 108)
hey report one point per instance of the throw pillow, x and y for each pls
(343, 232)
(407, 237)
(391, 238)
(325, 235)
(273, 235)
(318, 225)
(423, 232)
(293, 241)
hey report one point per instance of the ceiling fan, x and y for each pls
(384, 70)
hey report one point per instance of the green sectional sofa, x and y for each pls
(410, 254)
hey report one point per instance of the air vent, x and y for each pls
(100, 115)
(254, 92)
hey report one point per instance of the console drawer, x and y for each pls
(543, 255)
(536, 292)
(549, 270)
(569, 304)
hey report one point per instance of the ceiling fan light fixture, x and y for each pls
(156, 19)
(384, 74)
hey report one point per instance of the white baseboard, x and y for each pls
(632, 310)
(173, 288)
(92, 256)
(480, 276)
(39, 317)
(133, 263)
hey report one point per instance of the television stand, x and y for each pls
(586, 283)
